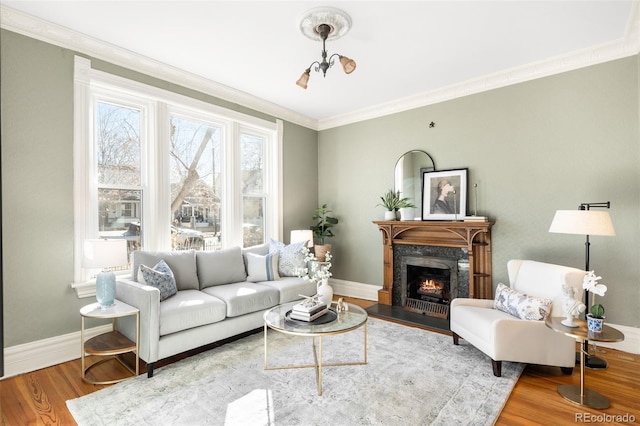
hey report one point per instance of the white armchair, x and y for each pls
(504, 337)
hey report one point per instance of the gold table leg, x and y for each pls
(317, 357)
(580, 395)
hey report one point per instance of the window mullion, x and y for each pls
(82, 163)
(232, 227)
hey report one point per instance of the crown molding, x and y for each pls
(33, 27)
(626, 46)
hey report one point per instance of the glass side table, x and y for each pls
(111, 344)
(579, 394)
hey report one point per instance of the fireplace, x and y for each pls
(428, 284)
(462, 250)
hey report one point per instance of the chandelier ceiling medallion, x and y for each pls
(325, 23)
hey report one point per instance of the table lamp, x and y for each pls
(585, 222)
(105, 254)
(300, 235)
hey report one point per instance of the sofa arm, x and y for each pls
(147, 300)
(478, 303)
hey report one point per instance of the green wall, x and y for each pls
(37, 184)
(532, 148)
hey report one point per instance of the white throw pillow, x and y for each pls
(291, 257)
(521, 305)
(262, 268)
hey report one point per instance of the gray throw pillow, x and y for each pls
(160, 277)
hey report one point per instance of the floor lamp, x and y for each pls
(585, 221)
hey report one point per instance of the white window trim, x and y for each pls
(163, 102)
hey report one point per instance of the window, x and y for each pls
(195, 174)
(167, 172)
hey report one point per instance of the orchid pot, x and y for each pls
(595, 324)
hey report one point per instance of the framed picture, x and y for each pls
(444, 195)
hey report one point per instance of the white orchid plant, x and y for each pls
(315, 274)
(590, 283)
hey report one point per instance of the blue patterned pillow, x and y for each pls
(521, 305)
(291, 257)
(262, 268)
(160, 277)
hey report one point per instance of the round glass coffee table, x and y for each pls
(345, 321)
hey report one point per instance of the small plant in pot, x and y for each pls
(595, 318)
(321, 230)
(392, 201)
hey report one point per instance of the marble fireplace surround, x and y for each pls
(469, 243)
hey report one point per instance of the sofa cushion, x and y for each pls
(160, 277)
(182, 264)
(290, 288)
(262, 268)
(521, 305)
(244, 298)
(189, 309)
(220, 267)
(291, 257)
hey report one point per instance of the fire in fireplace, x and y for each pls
(428, 284)
(430, 287)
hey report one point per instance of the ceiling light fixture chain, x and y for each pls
(315, 24)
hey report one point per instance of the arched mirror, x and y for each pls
(408, 177)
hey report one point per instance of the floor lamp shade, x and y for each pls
(105, 254)
(582, 222)
(300, 235)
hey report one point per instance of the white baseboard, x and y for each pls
(355, 289)
(631, 342)
(55, 350)
(33, 356)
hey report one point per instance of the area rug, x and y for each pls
(413, 377)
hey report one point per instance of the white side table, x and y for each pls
(111, 344)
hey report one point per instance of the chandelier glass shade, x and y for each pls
(339, 25)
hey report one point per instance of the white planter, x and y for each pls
(325, 291)
(407, 213)
(390, 215)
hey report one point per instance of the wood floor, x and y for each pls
(38, 398)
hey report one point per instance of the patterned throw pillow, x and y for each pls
(160, 277)
(291, 257)
(520, 305)
(262, 268)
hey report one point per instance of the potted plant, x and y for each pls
(595, 318)
(321, 230)
(392, 201)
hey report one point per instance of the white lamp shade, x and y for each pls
(104, 253)
(582, 222)
(300, 235)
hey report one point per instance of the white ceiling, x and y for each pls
(401, 48)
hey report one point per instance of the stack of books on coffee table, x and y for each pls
(306, 311)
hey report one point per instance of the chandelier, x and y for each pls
(322, 24)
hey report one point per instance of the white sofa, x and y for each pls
(214, 300)
(502, 336)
